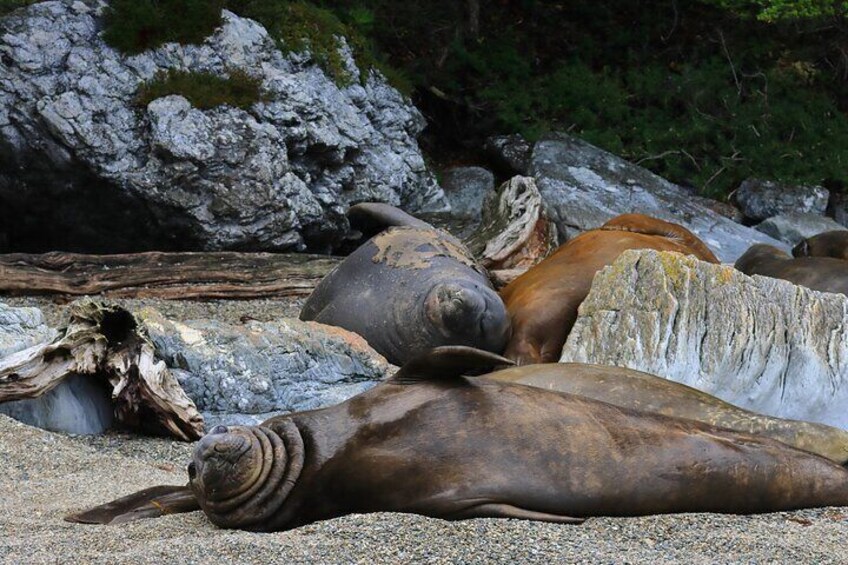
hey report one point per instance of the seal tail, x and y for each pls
(153, 502)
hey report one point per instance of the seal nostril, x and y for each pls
(192, 470)
(219, 430)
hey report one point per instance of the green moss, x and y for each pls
(204, 90)
(7, 6)
(133, 26)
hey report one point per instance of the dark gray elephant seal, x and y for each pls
(408, 289)
(828, 244)
(430, 441)
(824, 274)
(648, 393)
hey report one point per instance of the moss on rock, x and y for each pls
(204, 90)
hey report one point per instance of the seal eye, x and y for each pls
(192, 470)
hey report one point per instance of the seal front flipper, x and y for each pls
(153, 502)
(496, 510)
(371, 218)
(446, 363)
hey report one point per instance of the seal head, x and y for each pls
(828, 244)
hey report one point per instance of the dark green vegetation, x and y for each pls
(204, 90)
(7, 6)
(705, 92)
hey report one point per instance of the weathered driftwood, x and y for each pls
(106, 342)
(514, 232)
(165, 275)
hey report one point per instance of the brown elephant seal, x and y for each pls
(542, 303)
(408, 289)
(430, 441)
(828, 244)
(648, 393)
(824, 274)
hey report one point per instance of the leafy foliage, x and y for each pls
(204, 90)
(7, 6)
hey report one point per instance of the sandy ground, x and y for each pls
(46, 475)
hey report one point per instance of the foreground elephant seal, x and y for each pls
(409, 289)
(828, 244)
(824, 274)
(429, 441)
(648, 393)
(542, 303)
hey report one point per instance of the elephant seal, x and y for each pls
(824, 274)
(648, 393)
(433, 442)
(542, 303)
(828, 244)
(408, 289)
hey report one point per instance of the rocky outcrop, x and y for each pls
(760, 199)
(760, 343)
(83, 168)
(795, 226)
(465, 188)
(246, 373)
(584, 186)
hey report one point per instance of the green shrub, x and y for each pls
(204, 90)
(7, 6)
(133, 26)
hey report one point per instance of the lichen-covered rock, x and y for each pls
(584, 186)
(760, 343)
(514, 232)
(760, 199)
(795, 226)
(465, 188)
(83, 168)
(21, 328)
(245, 373)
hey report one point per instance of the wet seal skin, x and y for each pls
(636, 390)
(430, 441)
(408, 289)
(828, 244)
(542, 303)
(825, 274)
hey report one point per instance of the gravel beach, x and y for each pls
(47, 475)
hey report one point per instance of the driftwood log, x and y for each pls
(106, 342)
(186, 276)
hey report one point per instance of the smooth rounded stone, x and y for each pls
(246, 372)
(514, 231)
(169, 176)
(583, 187)
(465, 188)
(510, 152)
(21, 328)
(760, 343)
(760, 199)
(792, 227)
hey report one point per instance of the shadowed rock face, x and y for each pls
(83, 168)
(760, 343)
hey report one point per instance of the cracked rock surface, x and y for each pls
(760, 343)
(82, 167)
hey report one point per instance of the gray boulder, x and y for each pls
(584, 186)
(246, 373)
(82, 167)
(760, 343)
(510, 153)
(21, 328)
(795, 226)
(760, 199)
(465, 188)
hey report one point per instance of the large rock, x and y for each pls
(760, 343)
(795, 226)
(83, 168)
(760, 199)
(465, 188)
(21, 328)
(246, 373)
(584, 186)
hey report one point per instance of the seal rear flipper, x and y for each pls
(449, 362)
(497, 510)
(371, 218)
(153, 502)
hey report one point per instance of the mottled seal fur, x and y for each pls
(542, 303)
(828, 244)
(825, 274)
(430, 441)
